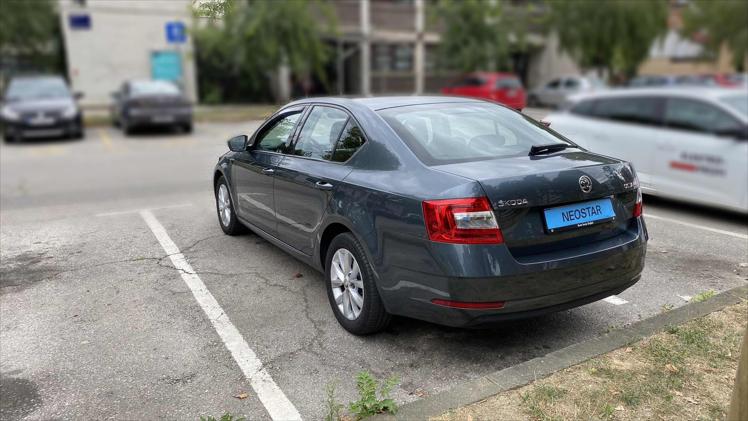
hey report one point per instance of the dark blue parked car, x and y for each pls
(456, 211)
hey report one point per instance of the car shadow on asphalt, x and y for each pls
(675, 206)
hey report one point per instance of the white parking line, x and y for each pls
(271, 396)
(124, 212)
(615, 300)
(701, 227)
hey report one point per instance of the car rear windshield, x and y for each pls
(737, 102)
(154, 87)
(461, 132)
(37, 88)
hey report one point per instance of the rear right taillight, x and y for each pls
(461, 221)
(639, 205)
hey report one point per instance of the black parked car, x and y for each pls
(149, 103)
(455, 211)
(40, 106)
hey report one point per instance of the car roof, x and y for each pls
(382, 102)
(708, 92)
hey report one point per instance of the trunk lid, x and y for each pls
(522, 188)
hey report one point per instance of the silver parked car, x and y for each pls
(554, 93)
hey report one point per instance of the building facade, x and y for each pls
(110, 41)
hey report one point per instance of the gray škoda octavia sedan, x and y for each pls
(456, 211)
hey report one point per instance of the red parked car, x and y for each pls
(504, 88)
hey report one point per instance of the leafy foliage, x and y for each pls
(476, 33)
(332, 407)
(30, 34)
(247, 41)
(723, 22)
(611, 35)
(369, 403)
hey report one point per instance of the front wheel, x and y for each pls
(225, 208)
(351, 289)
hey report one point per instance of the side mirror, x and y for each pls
(238, 143)
(78, 95)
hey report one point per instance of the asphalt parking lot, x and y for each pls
(100, 318)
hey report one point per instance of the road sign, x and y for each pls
(176, 33)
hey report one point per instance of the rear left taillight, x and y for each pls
(461, 221)
(639, 205)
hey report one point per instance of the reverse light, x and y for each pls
(461, 221)
(470, 305)
(639, 205)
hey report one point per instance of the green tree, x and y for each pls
(471, 39)
(30, 35)
(610, 35)
(723, 22)
(243, 43)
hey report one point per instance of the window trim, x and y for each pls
(309, 107)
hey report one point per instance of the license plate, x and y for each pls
(41, 121)
(163, 119)
(579, 215)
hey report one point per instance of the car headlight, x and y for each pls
(9, 114)
(70, 111)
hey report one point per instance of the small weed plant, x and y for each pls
(703, 296)
(332, 407)
(369, 402)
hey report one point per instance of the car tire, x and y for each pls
(532, 101)
(225, 210)
(187, 128)
(343, 293)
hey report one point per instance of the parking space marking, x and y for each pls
(105, 139)
(701, 227)
(272, 397)
(615, 300)
(125, 212)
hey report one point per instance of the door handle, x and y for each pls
(323, 185)
(268, 171)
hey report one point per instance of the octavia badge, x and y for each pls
(585, 184)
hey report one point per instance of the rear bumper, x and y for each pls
(547, 284)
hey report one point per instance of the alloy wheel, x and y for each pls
(224, 205)
(347, 284)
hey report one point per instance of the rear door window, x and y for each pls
(698, 116)
(508, 83)
(640, 110)
(554, 84)
(320, 133)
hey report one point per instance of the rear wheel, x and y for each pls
(225, 208)
(351, 289)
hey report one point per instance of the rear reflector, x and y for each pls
(493, 305)
(461, 221)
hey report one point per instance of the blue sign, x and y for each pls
(79, 21)
(166, 65)
(176, 33)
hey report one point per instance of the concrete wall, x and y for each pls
(119, 43)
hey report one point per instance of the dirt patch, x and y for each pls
(18, 397)
(686, 372)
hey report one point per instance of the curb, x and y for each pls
(538, 368)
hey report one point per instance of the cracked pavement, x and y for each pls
(96, 322)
